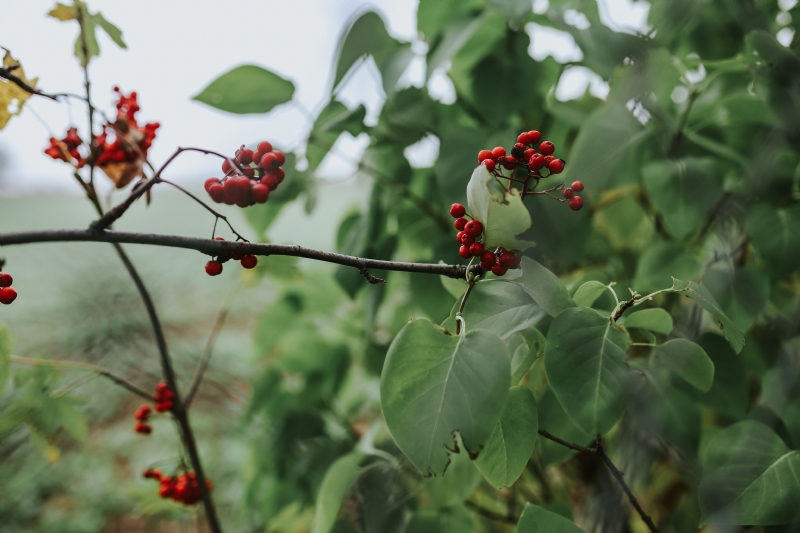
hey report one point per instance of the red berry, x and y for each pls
(236, 256)
(547, 148)
(264, 147)
(523, 138)
(510, 163)
(460, 223)
(269, 161)
(489, 164)
(141, 427)
(213, 268)
(464, 251)
(548, 159)
(245, 156)
(209, 182)
(499, 270)
(476, 249)
(556, 166)
(488, 258)
(473, 228)
(219, 238)
(465, 238)
(534, 136)
(457, 210)
(576, 203)
(230, 192)
(519, 146)
(260, 193)
(163, 406)
(486, 266)
(217, 192)
(249, 261)
(278, 173)
(484, 155)
(568, 193)
(142, 413)
(7, 295)
(151, 473)
(577, 186)
(515, 263)
(6, 279)
(226, 167)
(281, 157)
(526, 155)
(498, 152)
(506, 259)
(271, 181)
(250, 172)
(536, 162)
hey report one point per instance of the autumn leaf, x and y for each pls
(12, 97)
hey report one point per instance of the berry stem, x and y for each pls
(208, 208)
(463, 303)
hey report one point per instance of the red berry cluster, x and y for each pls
(183, 488)
(532, 161)
(214, 267)
(66, 149)
(127, 133)
(255, 175)
(575, 201)
(7, 294)
(142, 417)
(164, 396)
(498, 261)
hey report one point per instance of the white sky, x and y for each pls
(175, 48)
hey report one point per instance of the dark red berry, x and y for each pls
(548, 159)
(250, 172)
(536, 162)
(547, 148)
(556, 166)
(281, 157)
(457, 211)
(473, 228)
(460, 223)
(245, 156)
(499, 270)
(209, 182)
(260, 193)
(483, 155)
(568, 193)
(534, 136)
(152, 473)
(465, 238)
(217, 193)
(486, 266)
(269, 161)
(226, 167)
(142, 413)
(249, 261)
(577, 186)
(141, 427)
(5, 279)
(519, 146)
(576, 203)
(270, 181)
(236, 256)
(515, 263)
(498, 152)
(489, 164)
(476, 249)
(526, 155)
(488, 258)
(506, 259)
(523, 138)
(7, 295)
(510, 163)
(264, 147)
(213, 268)
(464, 251)
(278, 173)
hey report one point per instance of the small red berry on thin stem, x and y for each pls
(7, 295)
(577, 186)
(568, 193)
(249, 261)
(464, 251)
(484, 155)
(213, 268)
(576, 203)
(489, 164)
(457, 210)
(547, 148)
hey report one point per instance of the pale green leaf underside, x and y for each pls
(587, 293)
(544, 287)
(502, 218)
(656, 320)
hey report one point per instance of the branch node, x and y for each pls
(369, 277)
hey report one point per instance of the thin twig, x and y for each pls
(214, 248)
(209, 350)
(6, 73)
(84, 366)
(463, 303)
(619, 476)
(208, 208)
(571, 445)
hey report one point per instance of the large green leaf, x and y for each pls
(689, 361)
(750, 477)
(700, 295)
(247, 89)
(553, 418)
(742, 293)
(588, 292)
(435, 384)
(684, 191)
(534, 519)
(585, 363)
(544, 287)
(730, 392)
(656, 320)
(776, 237)
(334, 488)
(455, 36)
(512, 442)
(525, 347)
(662, 262)
(332, 121)
(503, 217)
(456, 484)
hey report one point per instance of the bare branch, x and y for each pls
(619, 476)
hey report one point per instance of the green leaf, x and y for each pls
(456, 34)
(503, 217)
(63, 12)
(110, 29)
(776, 237)
(332, 121)
(435, 384)
(434, 16)
(684, 191)
(407, 116)
(689, 361)
(703, 298)
(455, 519)
(585, 363)
(750, 477)
(730, 392)
(554, 419)
(626, 224)
(741, 293)
(89, 35)
(5, 353)
(656, 320)
(662, 262)
(500, 307)
(534, 519)
(512, 442)
(587, 293)
(247, 89)
(334, 488)
(544, 287)
(525, 347)
(457, 483)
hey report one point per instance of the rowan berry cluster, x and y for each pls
(7, 294)
(66, 149)
(529, 164)
(164, 397)
(249, 182)
(214, 267)
(183, 488)
(497, 261)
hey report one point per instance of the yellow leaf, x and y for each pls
(12, 97)
(62, 12)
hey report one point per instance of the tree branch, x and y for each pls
(214, 248)
(571, 445)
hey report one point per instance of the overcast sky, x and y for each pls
(176, 48)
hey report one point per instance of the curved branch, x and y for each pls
(214, 248)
